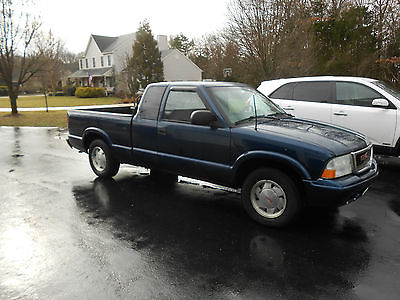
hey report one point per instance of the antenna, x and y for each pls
(255, 112)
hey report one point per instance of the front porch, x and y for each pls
(101, 77)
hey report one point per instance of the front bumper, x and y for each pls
(341, 191)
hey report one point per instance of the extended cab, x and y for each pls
(229, 134)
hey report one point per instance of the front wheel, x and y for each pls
(270, 197)
(101, 160)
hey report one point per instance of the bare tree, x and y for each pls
(50, 55)
(18, 58)
(258, 27)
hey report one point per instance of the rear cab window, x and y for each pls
(151, 101)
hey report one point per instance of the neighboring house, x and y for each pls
(104, 57)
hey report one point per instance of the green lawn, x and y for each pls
(39, 101)
(35, 119)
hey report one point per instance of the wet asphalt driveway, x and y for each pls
(66, 235)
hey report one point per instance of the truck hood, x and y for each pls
(336, 139)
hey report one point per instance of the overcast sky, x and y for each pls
(74, 20)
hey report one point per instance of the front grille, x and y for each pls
(362, 159)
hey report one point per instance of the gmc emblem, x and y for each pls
(364, 157)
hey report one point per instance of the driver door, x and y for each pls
(191, 150)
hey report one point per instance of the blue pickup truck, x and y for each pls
(229, 134)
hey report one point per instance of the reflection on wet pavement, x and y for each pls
(66, 234)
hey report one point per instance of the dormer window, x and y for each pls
(102, 61)
(109, 60)
(94, 62)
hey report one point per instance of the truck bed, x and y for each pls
(112, 120)
(115, 109)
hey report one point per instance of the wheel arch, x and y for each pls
(256, 160)
(92, 134)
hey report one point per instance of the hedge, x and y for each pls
(89, 92)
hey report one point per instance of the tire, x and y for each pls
(101, 160)
(270, 197)
(163, 177)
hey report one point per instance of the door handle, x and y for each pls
(340, 113)
(161, 130)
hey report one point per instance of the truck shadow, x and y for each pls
(202, 233)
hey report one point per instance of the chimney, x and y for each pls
(162, 42)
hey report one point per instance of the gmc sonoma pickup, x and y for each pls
(229, 134)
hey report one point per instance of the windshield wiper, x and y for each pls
(250, 118)
(279, 115)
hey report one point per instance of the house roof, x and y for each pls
(103, 41)
(110, 43)
(165, 53)
(97, 72)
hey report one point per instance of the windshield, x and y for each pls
(387, 88)
(238, 103)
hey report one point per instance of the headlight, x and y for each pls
(338, 167)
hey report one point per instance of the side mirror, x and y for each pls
(380, 102)
(202, 117)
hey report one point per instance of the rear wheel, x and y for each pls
(270, 197)
(101, 160)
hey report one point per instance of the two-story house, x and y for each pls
(104, 57)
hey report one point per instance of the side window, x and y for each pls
(180, 105)
(349, 93)
(319, 91)
(284, 92)
(151, 102)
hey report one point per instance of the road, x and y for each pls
(66, 235)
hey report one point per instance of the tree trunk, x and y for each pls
(45, 97)
(13, 95)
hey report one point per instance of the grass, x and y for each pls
(35, 119)
(54, 101)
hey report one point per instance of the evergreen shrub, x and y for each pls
(89, 92)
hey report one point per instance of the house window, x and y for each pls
(94, 62)
(109, 60)
(102, 61)
(80, 64)
(86, 63)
